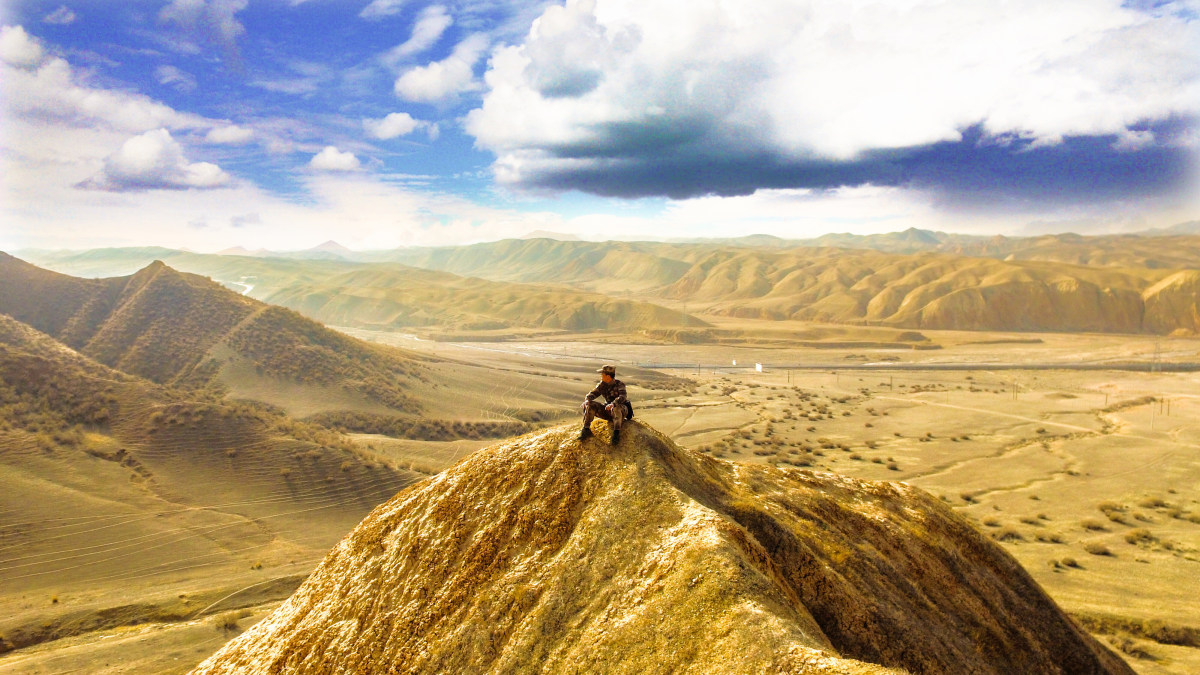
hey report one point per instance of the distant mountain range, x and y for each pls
(910, 279)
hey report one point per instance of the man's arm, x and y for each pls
(619, 392)
(593, 394)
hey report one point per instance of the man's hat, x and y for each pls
(609, 370)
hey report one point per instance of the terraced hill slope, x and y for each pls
(545, 554)
(117, 493)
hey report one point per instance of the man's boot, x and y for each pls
(585, 433)
(616, 437)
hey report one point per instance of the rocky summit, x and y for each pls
(547, 554)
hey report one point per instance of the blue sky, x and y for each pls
(381, 123)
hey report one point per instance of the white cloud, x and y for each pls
(154, 161)
(398, 124)
(431, 24)
(50, 94)
(445, 79)
(18, 49)
(379, 9)
(210, 19)
(174, 77)
(602, 82)
(1130, 140)
(332, 159)
(61, 16)
(229, 135)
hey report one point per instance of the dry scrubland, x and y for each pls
(1084, 477)
(170, 490)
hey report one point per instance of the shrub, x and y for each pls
(991, 521)
(229, 621)
(1130, 646)
(1008, 534)
(1140, 536)
(892, 466)
(1096, 548)
(1092, 524)
(1069, 562)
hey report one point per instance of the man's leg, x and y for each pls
(616, 418)
(589, 414)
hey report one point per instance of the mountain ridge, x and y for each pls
(544, 553)
(176, 328)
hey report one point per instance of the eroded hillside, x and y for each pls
(547, 554)
(185, 330)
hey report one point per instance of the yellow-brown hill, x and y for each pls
(935, 291)
(547, 554)
(393, 296)
(182, 329)
(1092, 284)
(1179, 251)
(116, 493)
(1053, 283)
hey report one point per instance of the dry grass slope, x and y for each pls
(106, 476)
(175, 328)
(547, 554)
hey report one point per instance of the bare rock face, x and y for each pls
(545, 554)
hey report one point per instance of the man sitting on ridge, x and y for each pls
(618, 409)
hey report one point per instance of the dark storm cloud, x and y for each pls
(643, 161)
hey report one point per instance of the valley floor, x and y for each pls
(1090, 478)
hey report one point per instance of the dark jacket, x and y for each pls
(613, 392)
